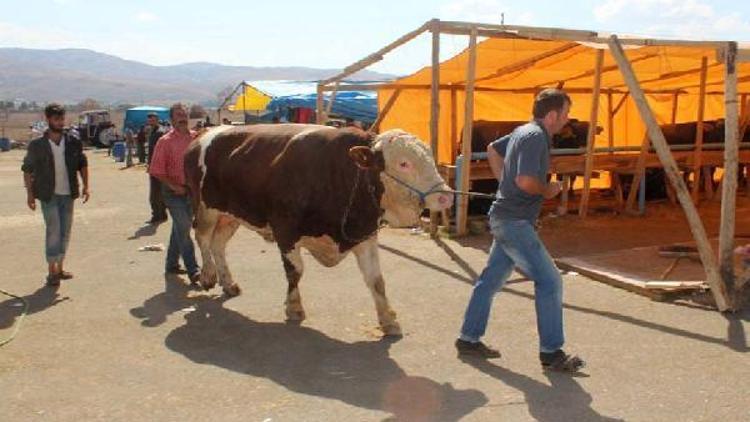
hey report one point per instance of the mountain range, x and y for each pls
(72, 75)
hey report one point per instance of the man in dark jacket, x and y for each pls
(50, 174)
(158, 208)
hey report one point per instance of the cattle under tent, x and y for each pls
(630, 87)
(295, 101)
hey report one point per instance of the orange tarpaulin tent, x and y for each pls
(510, 71)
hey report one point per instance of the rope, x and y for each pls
(18, 321)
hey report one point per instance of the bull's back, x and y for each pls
(230, 167)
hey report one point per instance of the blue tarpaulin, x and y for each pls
(358, 105)
(136, 117)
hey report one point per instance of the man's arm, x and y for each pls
(496, 162)
(28, 179)
(529, 161)
(178, 189)
(534, 186)
(85, 178)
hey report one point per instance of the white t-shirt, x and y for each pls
(62, 183)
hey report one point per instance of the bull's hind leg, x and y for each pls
(293, 267)
(369, 263)
(225, 229)
(204, 231)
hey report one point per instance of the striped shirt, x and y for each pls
(168, 161)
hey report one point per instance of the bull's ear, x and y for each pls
(362, 156)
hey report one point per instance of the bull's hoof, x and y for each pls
(392, 330)
(295, 313)
(208, 279)
(232, 291)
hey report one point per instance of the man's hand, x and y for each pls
(179, 190)
(85, 195)
(553, 188)
(30, 201)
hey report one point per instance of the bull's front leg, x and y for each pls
(293, 268)
(368, 260)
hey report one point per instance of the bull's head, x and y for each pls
(410, 177)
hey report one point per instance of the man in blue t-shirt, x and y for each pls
(520, 162)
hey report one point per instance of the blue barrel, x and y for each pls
(4, 144)
(118, 151)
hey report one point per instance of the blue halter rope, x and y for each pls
(423, 195)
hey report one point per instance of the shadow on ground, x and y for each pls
(43, 298)
(735, 340)
(563, 400)
(307, 361)
(143, 231)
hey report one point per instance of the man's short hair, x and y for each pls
(175, 107)
(152, 114)
(54, 109)
(550, 99)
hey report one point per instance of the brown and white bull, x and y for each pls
(313, 187)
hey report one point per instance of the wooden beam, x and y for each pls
(671, 75)
(458, 86)
(605, 69)
(699, 131)
(375, 128)
(549, 34)
(463, 200)
(593, 120)
(670, 167)
(529, 62)
(620, 103)
(378, 55)
(729, 188)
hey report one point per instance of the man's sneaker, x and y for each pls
(53, 280)
(176, 270)
(561, 361)
(478, 349)
(195, 277)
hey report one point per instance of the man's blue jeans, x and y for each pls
(516, 243)
(180, 243)
(58, 219)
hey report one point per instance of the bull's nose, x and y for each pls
(445, 200)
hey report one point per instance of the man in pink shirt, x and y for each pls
(167, 166)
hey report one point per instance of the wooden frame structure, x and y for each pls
(719, 274)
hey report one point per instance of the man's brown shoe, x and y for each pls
(478, 349)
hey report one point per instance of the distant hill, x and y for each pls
(71, 75)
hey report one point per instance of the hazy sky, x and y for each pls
(331, 33)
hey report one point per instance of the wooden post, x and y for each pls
(593, 120)
(729, 189)
(698, 160)
(463, 200)
(670, 190)
(675, 100)
(718, 288)
(610, 121)
(435, 107)
(320, 117)
(640, 169)
(384, 112)
(332, 98)
(454, 125)
(435, 90)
